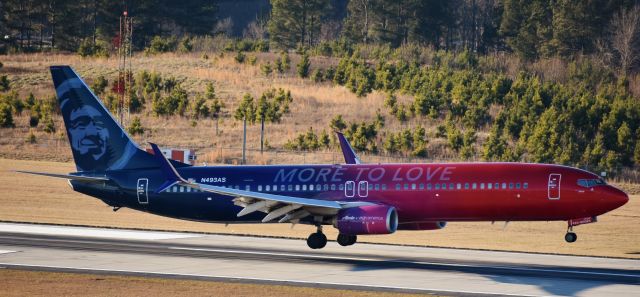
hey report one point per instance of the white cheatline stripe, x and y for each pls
(298, 282)
(92, 232)
(6, 252)
(407, 262)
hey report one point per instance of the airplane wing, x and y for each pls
(350, 156)
(290, 208)
(90, 179)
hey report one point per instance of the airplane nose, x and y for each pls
(618, 197)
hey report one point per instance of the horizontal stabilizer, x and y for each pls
(89, 179)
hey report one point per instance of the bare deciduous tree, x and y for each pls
(625, 37)
(255, 30)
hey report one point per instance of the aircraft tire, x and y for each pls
(347, 240)
(570, 237)
(317, 240)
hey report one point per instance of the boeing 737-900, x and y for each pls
(355, 198)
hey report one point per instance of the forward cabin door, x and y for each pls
(553, 188)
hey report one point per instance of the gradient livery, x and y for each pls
(355, 198)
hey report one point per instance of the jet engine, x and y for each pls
(368, 219)
(423, 226)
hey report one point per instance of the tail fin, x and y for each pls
(97, 141)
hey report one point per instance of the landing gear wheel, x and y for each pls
(570, 237)
(317, 240)
(346, 240)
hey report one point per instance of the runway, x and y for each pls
(286, 261)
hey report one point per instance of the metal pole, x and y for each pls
(262, 136)
(244, 140)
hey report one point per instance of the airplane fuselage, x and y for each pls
(419, 192)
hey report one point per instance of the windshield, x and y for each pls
(587, 183)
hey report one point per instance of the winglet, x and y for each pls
(350, 156)
(170, 172)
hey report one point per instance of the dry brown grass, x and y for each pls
(26, 198)
(38, 283)
(314, 105)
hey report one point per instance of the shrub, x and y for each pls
(161, 45)
(317, 75)
(4, 83)
(6, 116)
(303, 66)
(49, 125)
(31, 137)
(240, 56)
(99, 85)
(252, 60)
(266, 68)
(135, 128)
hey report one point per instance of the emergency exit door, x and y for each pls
(143, 195)
(554, 186)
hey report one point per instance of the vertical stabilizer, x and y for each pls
(98, 143)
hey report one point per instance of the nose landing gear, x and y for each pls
(570, 236)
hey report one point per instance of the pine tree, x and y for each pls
(303, 66)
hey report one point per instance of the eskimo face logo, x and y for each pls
(88, 135)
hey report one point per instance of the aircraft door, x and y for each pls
(554, 186)
(363, 188)
(143, 194)
(350, 188)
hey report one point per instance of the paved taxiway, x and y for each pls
(285, 261)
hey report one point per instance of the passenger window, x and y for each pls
(398, 187)
(318, 187)
(268, 188)
(377, 187)
(260, 188)
(489, 185)
(341, 187)
(406, 186)
(518, 186)
(444, 186)
(459, 186)
(525, 185)
(466, 186)
(504, 186)
(437, 186)
(429, 187)
(297, 188)
(326, 187)
(310, 187)
(370, 186)
(281, 187)
(247, 187)
(451, 187)
(421, 186)
(237, 187)
(289, 187)
(510, 186)
(413, 186)
(481, 186)
(333, 187)
(474, 186)
(384, 187)
(304, 187)
(497, 186)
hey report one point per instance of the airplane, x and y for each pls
(356, 198)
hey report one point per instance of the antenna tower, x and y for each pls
(125, 74)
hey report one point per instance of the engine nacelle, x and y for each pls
(423, 226)
(369, 219)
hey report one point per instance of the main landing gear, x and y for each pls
(347, 240)
(317, 240)
(570, 236)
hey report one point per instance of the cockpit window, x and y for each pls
(588, 183)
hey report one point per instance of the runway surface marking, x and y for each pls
(293, 255)
(92, 232)
(253, 279)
